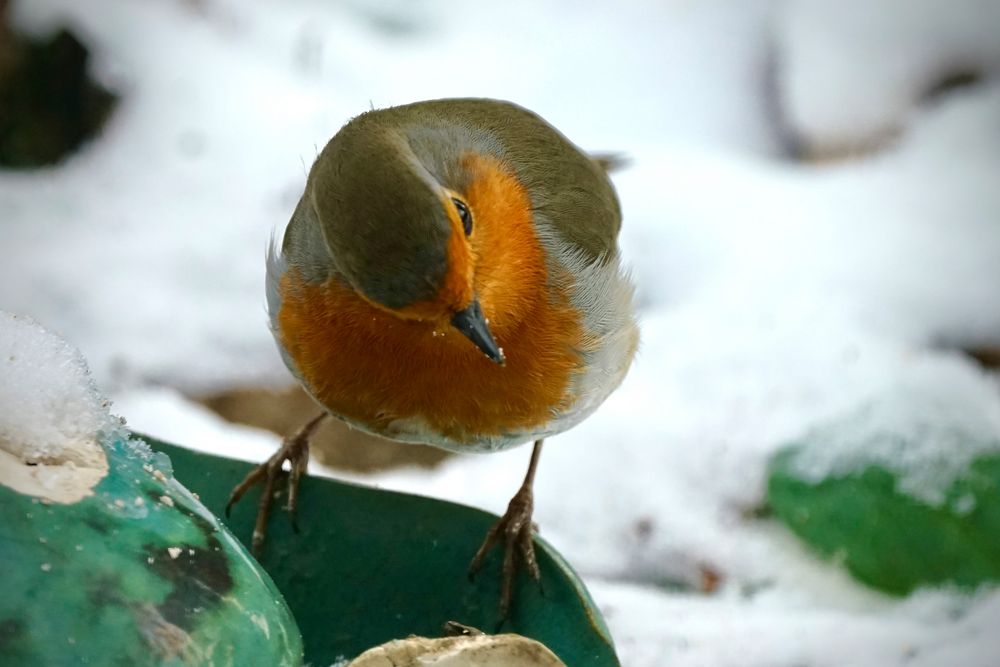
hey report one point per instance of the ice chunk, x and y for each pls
(51, 414)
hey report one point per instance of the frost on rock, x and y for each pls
(926, 429)
(51, 415)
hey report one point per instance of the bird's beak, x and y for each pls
(472, 324)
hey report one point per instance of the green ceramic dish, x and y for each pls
(371, 565)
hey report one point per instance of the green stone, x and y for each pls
(136, 573)
(885, 536)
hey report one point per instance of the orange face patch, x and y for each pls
(376, 368)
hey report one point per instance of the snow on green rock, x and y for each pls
(50, 415)
(926, 429)
(106, 558)
(904, 490)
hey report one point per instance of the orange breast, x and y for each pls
(394, 375)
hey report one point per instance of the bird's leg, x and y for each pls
(515, 528)
(295, 450)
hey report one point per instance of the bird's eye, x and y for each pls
(465, 214)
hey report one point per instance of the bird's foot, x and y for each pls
(295, 450)
(516, 529)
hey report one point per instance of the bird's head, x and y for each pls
(400, 226)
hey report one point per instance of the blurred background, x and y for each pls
(812, 218)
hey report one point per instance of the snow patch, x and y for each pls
(853, 71)
(926, 428)
(51, 415)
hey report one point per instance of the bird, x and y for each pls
(451, 276)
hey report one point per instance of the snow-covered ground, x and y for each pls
(775, 294)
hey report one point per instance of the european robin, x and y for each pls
(451, 276)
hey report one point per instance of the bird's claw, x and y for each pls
(516, 529)
(295, 450)
(456, 629)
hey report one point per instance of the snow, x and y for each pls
(927, 427)
(51, 415)
(775, 295)
(733, 632)
(50, 410)
(855, 71)
(178, 419)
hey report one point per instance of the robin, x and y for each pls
(451, 276)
